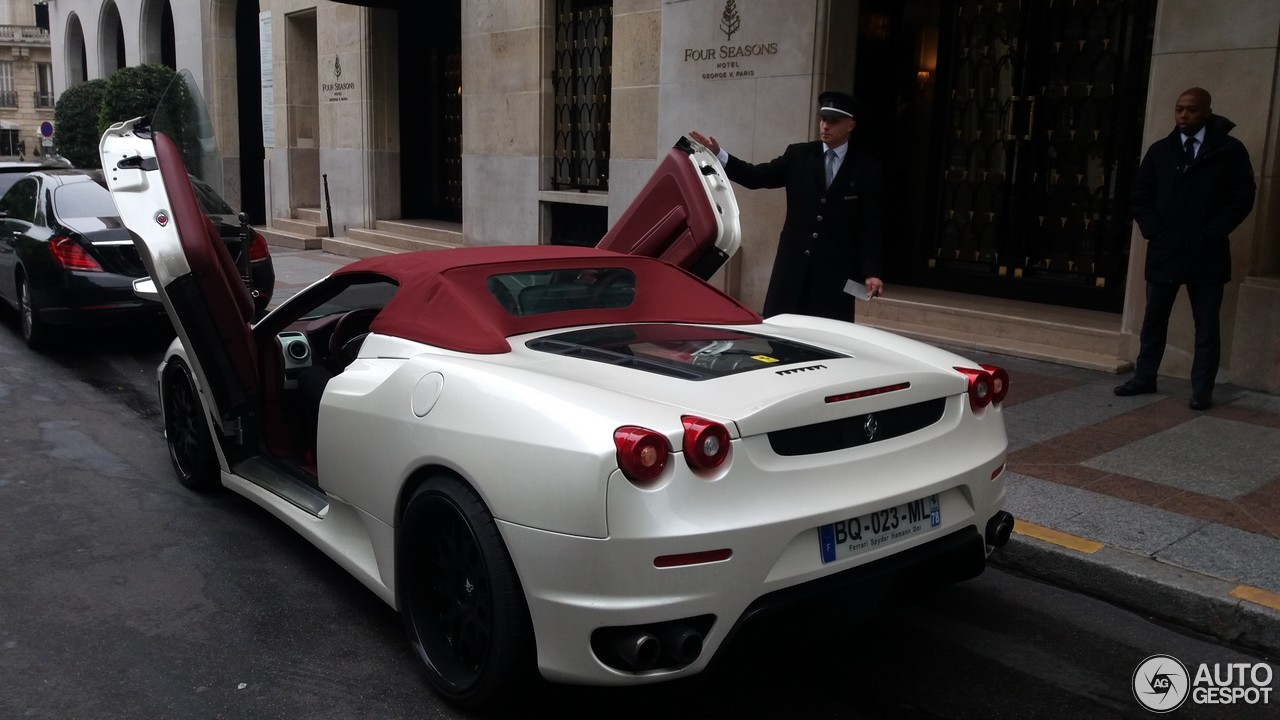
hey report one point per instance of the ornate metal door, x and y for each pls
(1042, 106)
(430, 87)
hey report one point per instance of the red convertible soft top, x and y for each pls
(443, 300)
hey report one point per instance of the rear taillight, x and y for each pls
(999, 383)
(258, 248)
(69, 254)
(706, 443)
(979, 387)
(642, 453)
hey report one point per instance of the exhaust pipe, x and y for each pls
(681, 644)
(638, 649)
(999, 527)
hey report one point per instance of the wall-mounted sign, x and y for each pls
(740, 46)
(267, 80)
(339, 90)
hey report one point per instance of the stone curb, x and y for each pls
(1173, 594)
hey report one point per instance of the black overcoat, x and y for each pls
(1187, 210)
(829, 236)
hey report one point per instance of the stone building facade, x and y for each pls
(26, 75)
(1009, 132)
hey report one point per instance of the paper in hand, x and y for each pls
(857, 289)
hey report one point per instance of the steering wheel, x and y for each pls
(349, 332)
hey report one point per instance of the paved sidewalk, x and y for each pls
(1137, 500)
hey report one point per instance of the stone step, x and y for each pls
(348, 247)
(1005, 346)
(397, 242)
(300, 227)
(1080, 338)
(312, 215)
(439, 231)
(284, 238)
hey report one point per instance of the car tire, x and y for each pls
(35, 332)
(186, 431)
(463, 606)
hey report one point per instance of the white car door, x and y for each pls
(686, 214)
(193, 272)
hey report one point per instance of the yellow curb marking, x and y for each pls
(1257, 595)
(1022, 527)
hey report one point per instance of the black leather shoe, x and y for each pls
(1134, 388)
(1200, 402)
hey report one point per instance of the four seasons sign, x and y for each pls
(339, 90)
(729, 59)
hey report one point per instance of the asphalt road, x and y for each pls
(124, 595)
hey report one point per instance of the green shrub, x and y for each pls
(132, 92)
(75, 118)
(137, 91)
(86, 110)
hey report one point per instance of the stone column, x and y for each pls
(345, 69)
(505, 111)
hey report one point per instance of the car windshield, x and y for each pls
(84, 199)
(534, 293)
(374, 294)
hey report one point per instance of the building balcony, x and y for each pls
(24, 34)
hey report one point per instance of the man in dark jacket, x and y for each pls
(831, 234)
(1193, 188)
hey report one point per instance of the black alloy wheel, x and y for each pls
(35, 332)
(186, 431)
(463, 606)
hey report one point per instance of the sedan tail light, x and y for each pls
(642, 453)
(69, 254)
(706, 442)
(981, 387)
(258, 247)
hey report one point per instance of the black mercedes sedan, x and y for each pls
(67, 260)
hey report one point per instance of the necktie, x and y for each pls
(831, 166)
(1189, 149)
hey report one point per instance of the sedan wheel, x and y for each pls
(34, 330)
(186, 431)
(462, 602)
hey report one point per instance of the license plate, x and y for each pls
(849, 537)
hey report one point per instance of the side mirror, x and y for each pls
(145, 288)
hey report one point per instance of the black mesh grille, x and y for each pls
(121, 259)
(857, 430)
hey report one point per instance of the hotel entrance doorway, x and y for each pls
(1009, 133)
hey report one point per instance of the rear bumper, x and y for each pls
(79, 298)
(576, 586)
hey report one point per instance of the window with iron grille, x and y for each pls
(582, 79)
(44, 85)
(8, 92)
